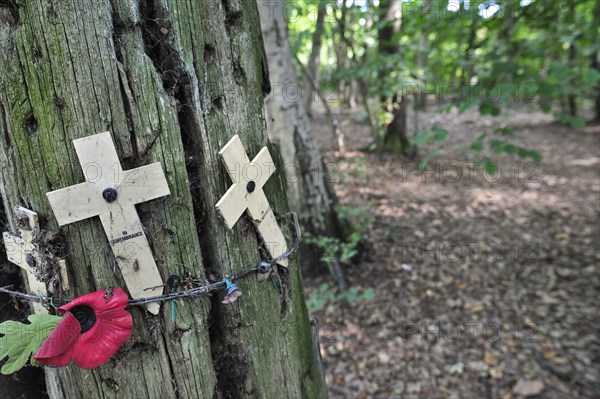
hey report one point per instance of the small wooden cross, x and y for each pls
(21, 251)
(112, 193)
(247, 193)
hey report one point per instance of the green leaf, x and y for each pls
(491, 169)
(577, 122)
(545, 107)
(590, 77)
(505, 131)
(536, 156)
(440, 135)
(368, 294)
(489, 109)
(478, 144)
(497, 145)
(420, 137)
(21, 341)
(510, 148)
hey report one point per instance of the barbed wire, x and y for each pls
(262, 267)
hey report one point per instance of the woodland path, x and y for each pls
(452, 318)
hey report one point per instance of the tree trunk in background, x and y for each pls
(572, 56)
(173, 81)
(422, 58)
(313, 61)
(395, 138)
(308, 180)
(596, 56)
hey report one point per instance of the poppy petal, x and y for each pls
(97, 346)
(98, 301)
(57, 349)
(112, 329)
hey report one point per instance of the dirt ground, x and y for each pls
(486, 286)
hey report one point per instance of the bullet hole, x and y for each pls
(30, 123)
(210, 54)
(218, 103)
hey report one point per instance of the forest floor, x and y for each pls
(484, 286)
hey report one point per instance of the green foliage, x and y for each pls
(334, 249)
(489, 56)
(437, 136)
(323, 295)
(21, 341)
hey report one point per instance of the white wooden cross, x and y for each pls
(21, 251)
(247, 193)
(112, 193)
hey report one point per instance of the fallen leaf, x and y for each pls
(554, 358)
(529, 323)
(496, 372)
(528, 388)
(475, 308)
(383, 358)
(478, 366)
(510, 343)
(489, 358)
(457, 368)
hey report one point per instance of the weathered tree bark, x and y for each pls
(173, 81)
(313, 60)
(596, 57)
(395, 138)
(308, 180)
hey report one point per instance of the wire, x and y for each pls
(260, 268)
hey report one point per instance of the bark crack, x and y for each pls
(180, 81)
(171, 368)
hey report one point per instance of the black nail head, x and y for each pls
(30, 260)
(85, 316)
(173, 281)
(264, 268)
(109, 194)
(250, 186)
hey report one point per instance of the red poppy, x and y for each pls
(93, 328)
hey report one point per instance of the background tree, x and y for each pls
(395, 138)
(173, 82)
(314, 59)
(308, 179)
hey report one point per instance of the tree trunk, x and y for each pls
(173, 81)
(396, 138)
(309, 188)
(313, 60)
(596, 56)
(572, 57)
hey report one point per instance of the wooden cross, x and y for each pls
(112, 193)
(21, 251)
(247, 193)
